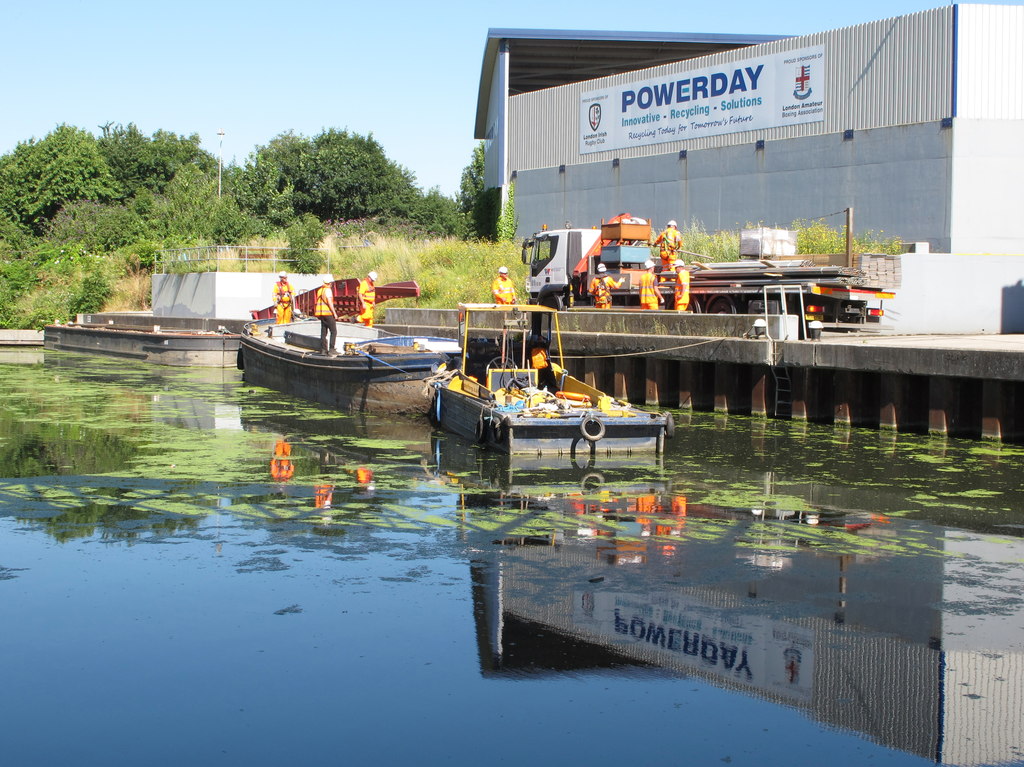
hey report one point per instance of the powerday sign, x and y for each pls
(766, 92)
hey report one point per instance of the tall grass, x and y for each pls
(448, 271)
(701, 245)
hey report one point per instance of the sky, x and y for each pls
(406, 72)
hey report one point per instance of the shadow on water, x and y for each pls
(870, 581)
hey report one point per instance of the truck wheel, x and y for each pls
(552, 301)
(722, 305)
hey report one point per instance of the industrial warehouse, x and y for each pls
(912, 121)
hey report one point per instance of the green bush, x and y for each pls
(818, 237)
(304, 236)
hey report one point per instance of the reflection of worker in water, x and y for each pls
(364, 477)
(323, 495)
(541, 362)
(281, 468)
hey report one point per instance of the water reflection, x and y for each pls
(871, 582)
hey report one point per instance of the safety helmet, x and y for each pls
(372, 276)
(282, 274)
(678, 262)
(602, 268)
(328, 278)
(648, 264)
(502, 270)
(672, 223)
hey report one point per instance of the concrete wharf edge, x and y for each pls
(970, 386)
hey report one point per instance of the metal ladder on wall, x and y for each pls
(780, 373)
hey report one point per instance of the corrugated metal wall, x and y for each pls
(885, 73)
(990, 62)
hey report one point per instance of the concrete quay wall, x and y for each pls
(953, 385)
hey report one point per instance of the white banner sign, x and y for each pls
(765, 92)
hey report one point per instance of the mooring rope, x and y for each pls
(646, 351)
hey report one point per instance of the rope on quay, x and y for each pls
(634, 354)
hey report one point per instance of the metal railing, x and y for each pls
(235, 258)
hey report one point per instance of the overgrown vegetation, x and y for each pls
(83, 217)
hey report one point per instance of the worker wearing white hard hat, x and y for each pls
(670, 242)
(283, 296)
(650, 296)
(323, 310)
(682, 286)
(601, 288)
(503, 290)
(366, 299)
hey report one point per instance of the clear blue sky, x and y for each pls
(407, 72)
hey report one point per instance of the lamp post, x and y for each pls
(220, 160)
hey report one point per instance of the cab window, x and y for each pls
(543, 251)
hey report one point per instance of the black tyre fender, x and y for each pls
(481, 429)
(670, 426)
(592, 428)
(240, 360)
(434, 412)
(500, 426)
(591, 481)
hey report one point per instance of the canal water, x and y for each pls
(196, 571)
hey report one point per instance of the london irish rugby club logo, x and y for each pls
(803, 82)
(595, 116)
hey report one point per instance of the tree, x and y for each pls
(138, 162)
(352, 178)
(472, 184)
(304, 235)
(480, 205)
(191, 210)
(40, 177)
(336, 175)
(438, 214)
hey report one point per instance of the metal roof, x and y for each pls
(545, 58)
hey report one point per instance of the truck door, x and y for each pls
(545, 264)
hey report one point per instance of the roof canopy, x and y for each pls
(545, 58)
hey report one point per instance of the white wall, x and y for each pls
(985, 189)
(228, 296)
(944, 293)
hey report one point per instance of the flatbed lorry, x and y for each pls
(564, 261)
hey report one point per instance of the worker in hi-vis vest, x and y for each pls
(650, 296)
(670, 242)
(283, 295)
(682, 294)
(601, 287)
(366, 299)
(323, 309)
(502, 289)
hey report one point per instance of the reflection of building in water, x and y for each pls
(857, 641)
(984, 669)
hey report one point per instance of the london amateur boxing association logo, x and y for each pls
(803, 82)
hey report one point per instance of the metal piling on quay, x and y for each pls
(965, 386)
